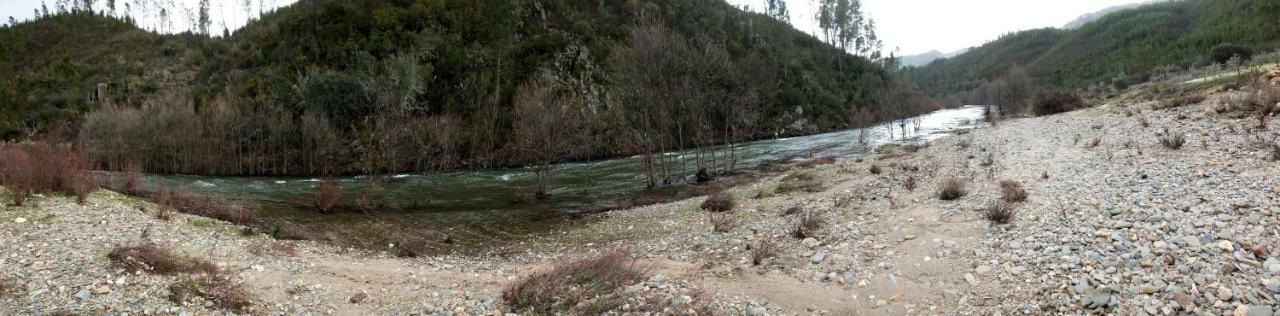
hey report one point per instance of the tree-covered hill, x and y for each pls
(337, 86)
(1127, 43)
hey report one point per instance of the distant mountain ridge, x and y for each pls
(928, 57)
(1122, 44)
(1094, 16)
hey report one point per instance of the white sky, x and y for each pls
(918, 26)
(910, 26)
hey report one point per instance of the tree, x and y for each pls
(338, 96)
(844, 25)
(203, 21)
(111, 7)
(44, 9)
(1222, 53)
(777, 9)
(547, 127)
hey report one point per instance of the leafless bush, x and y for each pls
(722, 222)
(1012, 191)
(327, 195)
(1172, 140)
(150, 258)
(999, 213)
(574, 288)
(952, 189)
(826, 160)
(910, 183)
(875, 169)
(807, 225)
(1093, 142)
(1142, 120)
(763, 250)
(132, 183)
(220, 289)
(1181, 100)
(719, 202)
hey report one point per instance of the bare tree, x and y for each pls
(547, 127)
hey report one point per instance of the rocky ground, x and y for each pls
(1115, 223)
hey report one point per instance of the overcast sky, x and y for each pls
(917, 26)
(911, 26)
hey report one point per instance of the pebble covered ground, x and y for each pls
(1114, 223)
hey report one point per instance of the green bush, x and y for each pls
(339, 96)
(1222, 53)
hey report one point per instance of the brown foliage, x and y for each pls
(952, 189)
(327, 195)
(807, 225)
(999, 213)
(570, 288)
(183, 200)
(763, 251)
(719, 202)
(1012, 191)
(150, 258)
(799, 181)
(1181, 100)
(722, 222)
(825, 160)
(132, 184)
(1172, 140)
(1053, 102)
(220, 289)
(39, 168)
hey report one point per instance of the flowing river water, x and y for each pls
(465, 210)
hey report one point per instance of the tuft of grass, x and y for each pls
(875, 169)
(763, 251)
(719, 202)
(807, 225)
(407, 247)
(150, 258)
(1181, 100)
(288, 231)
(1275, 152)
(1012, 191)
(999, 213)
(1172, 141)
(1093, 142)
(1142, 120)
(952, 189)
(7, 287)
(799, 182)
(582, 287)
(220, 289)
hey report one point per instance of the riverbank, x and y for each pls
(1114, 222)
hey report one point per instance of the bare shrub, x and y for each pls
(1012, 191)
(910, 183)
(722, 222)
(288, 231)
(1093, 142)
(719, 202)
(16, 173)
(183, 200)
(807, 225)
(579, 287)
(875, 169)
(1172, 141)
(327, 195)
(1181, 100)
(1142, 120)
(999, 213)
(220, 289)
(150, 258)
(799, 182)
(952, 189)
(764, 250)
(1053, 102)
(1275, 152)
(132, 184)
(411, 247)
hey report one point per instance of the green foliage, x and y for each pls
(1125, 44)
(1223, 53)
(339, 96)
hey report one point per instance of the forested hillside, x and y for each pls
(331, 87)
(1127, 43)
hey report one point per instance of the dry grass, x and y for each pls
(183, 200)
(1142, 120)
(1275, 152)
(150, 258)
(875, 169)
(763, 251)
(584, 287)
(999, 213)
(1012, 191)
(1093, 142)
(1181, 100)
(1172, 141)
(799, 182)
(7, 288)
(288, 231)
(410, 247)
(719, 202)
(952, 189)
(220, 289)
(807, 225)
(722, 222)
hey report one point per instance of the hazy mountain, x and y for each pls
(1090, 17)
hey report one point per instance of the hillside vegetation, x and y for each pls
(1130, 43)
(337, 87)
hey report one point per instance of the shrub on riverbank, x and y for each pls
(1053, 102)
(26, 169)
(797, 182)
(183, 200)
(327, 195)
(719, 202)
(584, 287)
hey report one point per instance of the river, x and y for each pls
(472, 209)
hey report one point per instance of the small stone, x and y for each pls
(973, 281)
(101, 290)
(1224, 294)
(809, 242)
(359, 297)
(1226, 245)
(83, 294)
(818, 257)
(657, 278)
(1273, 285)
(1257, 310)
(982, 270)
(20, 220)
